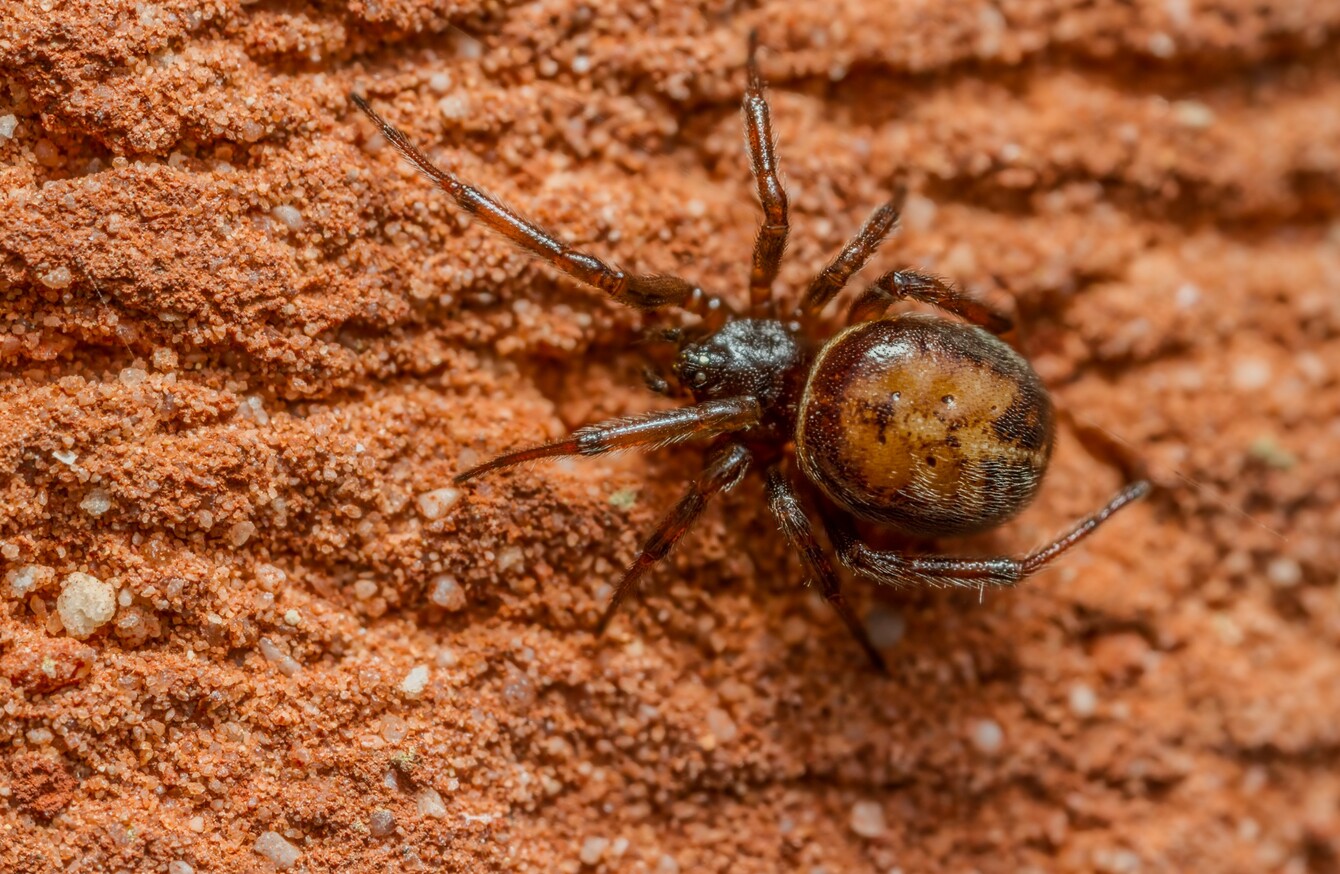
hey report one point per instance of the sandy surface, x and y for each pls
(239, 341)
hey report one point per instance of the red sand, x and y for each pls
(225, 410)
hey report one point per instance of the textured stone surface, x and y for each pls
(232, 317)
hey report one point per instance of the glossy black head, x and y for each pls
(761, 358)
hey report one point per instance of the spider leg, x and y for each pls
(771, 240)
(785, 505)
(893, 569)
(855, 254)
(643, 290)
(660, 428)
(724, 470)
(903, 284)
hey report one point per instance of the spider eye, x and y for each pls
(699, 378)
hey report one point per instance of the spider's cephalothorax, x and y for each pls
(765, 359)
(930, 425)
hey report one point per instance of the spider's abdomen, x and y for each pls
(928, 425)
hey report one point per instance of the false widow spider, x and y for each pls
(924, 424)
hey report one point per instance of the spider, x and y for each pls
(928, 425)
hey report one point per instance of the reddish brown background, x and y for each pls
(1154, 184)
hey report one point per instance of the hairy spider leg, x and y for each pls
(855, 254)
(724, 470)
(655, 429)
(908, 284)
(786, 506)
(893, 569)
(642, 291)
(771, 240)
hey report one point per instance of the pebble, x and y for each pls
(278, 850)
(510, 557)
(624, 499)
(283, 662)
(1188, 294)
(241, 533)
(28, 578)
(992, 27)
(886, 627)
(393, 731)
(253, 408)
(415, 681)
(96, 502)
(454, 107)
(919, 212)
(1284, 572)
(1116, 861)
(867, 819)
(8, 124)
(721, 725)
(60, 277)
(447, 593)
(429, 803)
(987, 736)
(1251, 374)
(592, 849)
(1161, 45)
(1083, 700)
(85, 604)
(1269, 452)
(165, 359)
(381, 823)
(270, 577)
(132, 376)
(179, 867)
(435, 504)
(289, 215)
(1193, 114)
(519, 691)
